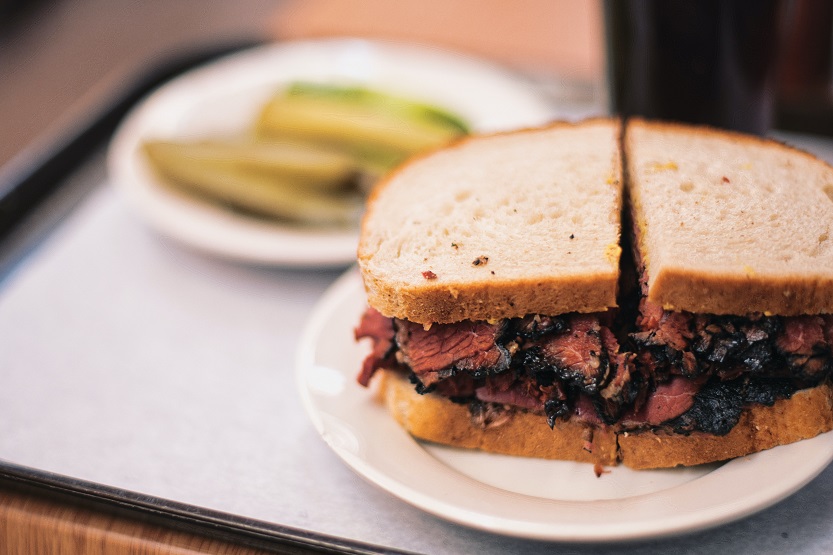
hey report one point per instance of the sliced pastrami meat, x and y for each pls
(379, 329)
(578, 355)
(668, 401)
(441, 350)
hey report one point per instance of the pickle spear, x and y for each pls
(309, 165)
(375, 127)
(315, 150)
(411, 109)
(255, 191)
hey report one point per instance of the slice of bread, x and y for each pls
(728, 223)
(433, 418)
(498, 226)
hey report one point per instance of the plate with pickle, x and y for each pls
(266, 156)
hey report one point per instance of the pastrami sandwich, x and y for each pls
(508, 314)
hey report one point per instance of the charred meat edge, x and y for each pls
(562, 367)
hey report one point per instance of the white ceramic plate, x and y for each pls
(549, 500)
(224, 97)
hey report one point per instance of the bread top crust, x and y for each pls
(498, 226)
(729, 223)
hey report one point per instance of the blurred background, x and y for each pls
(59, 58)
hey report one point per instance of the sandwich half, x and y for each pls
(523, 300)
(734, 258)
(487, 266)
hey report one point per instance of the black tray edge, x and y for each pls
(211, 523)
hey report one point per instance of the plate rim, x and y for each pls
(349, 284)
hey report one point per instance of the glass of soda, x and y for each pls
(698, 61)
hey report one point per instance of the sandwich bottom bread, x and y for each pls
(579, 292)
(515, 431)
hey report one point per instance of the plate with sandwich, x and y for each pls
(266, 155)
(586, 331)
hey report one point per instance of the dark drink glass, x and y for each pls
(699, 61)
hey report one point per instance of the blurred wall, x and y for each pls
(56, 55)
(59, 54)
(563, 37)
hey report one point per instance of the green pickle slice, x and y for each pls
(313, 150)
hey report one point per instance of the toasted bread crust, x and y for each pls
(448, 302)
(433, 418)
(700, 292)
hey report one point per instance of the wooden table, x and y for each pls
(35, 520)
